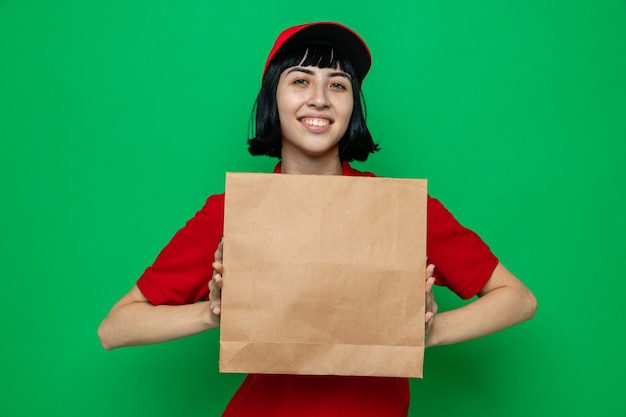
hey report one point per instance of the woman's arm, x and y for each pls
(133, 320)
(503, 302)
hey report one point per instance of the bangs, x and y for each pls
(320, 56)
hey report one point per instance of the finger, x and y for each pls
(218, 267)
(217, 310)
(215, 286)
(430, 270)
(429, 316)
(218, 281)
(215, 299)
(214, 292)
(430, 282)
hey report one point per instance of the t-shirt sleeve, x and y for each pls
(182, 271)
(463, 261)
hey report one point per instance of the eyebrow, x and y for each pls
(310, 72)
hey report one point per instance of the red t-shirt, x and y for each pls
(181, 273)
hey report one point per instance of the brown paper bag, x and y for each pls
(323, 275)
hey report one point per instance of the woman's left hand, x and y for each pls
(430, 304)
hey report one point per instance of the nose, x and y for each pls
(318, 96)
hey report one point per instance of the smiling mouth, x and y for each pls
(315, 122)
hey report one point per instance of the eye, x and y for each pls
(338, 86)
(300, 81)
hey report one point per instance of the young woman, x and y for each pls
(309, 115)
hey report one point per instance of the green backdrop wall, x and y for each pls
(118, 119)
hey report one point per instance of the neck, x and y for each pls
(298, 161)
(312, 166)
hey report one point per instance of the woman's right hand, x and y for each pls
(215, 285)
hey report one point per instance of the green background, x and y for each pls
(118, 119)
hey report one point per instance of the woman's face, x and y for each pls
(314, 108)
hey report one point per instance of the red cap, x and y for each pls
(338, 36)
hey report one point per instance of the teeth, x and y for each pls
(315, 122)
